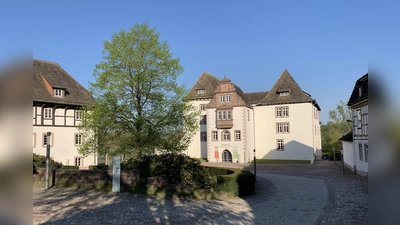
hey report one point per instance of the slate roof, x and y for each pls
(347, 137)
(57, 77)
(207, 82)
(254, 97)
(355, 97)
(272, 97)
(286, 83)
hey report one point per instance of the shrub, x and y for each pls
(177, 168)
(39, 161)
(99, 167)
(70, 167)
(236, 182)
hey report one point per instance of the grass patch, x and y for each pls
(202, 160)
(280, 161)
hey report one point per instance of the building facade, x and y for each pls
(358, 103)
(282, 123)
(57, 100)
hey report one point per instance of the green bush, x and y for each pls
(236, 182)
(70, 167)
(39, 161)
(177, 168)
(99, 167)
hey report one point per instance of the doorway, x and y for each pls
(226, 156)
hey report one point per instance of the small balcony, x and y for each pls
(224, 124)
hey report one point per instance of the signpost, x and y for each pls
(116, 178)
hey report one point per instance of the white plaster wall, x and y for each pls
(198, 149)
(220, 146)
(317, 135)
(63, 145)
(298, 144)
(362, 166)
(348, 153)
(249, 134)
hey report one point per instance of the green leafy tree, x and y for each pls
(335, 128)
(139, 106)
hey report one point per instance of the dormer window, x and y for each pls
(359, 92)
(285, 93)
(200, 91)
(58, 92)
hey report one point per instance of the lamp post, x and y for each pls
(255, 168)
(47, 159)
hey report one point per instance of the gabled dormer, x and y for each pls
(59, 92)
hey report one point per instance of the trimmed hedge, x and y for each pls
(236, 182)
(176, 168)
(70, 167)
(100, 167)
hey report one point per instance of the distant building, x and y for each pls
(347, 143)
(57, 100)
(282, 123)
(358, 103)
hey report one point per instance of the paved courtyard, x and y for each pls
(285, 194)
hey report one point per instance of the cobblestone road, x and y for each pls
(285, 194)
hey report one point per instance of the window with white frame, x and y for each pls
(279, 145)
(226, 135)
(282, 111)
(202, 106)
(366, 152)
(203, 136)
(279, 128)
(78, 161)
(237, 135)
(224, 115)
(359, 119)
(285, 93)
(78, 114)
(228, 98)
(278, 112)
(221, 98)
(285, 111)
(282, 127)
(48, 113)
(215, 135)
(203, 120)
(200, 91)
(58, 92)
(360, 152)
(78, 139)
(286, 128)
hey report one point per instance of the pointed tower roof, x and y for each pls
(204, 87)
(285, 91)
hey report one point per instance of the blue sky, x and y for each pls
(325, 45)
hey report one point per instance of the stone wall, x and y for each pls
(98, 179)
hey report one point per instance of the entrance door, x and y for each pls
(226, 156)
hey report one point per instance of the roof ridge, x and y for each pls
(41, 60)
(255, 92)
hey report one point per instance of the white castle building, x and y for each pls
(282, 123)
